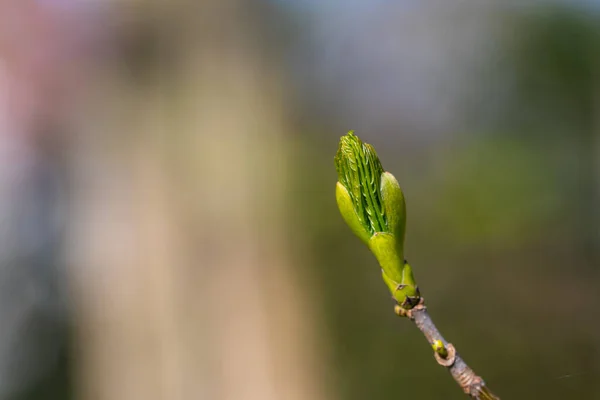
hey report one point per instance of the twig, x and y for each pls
(445, 353)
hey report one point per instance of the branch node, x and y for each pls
(403, 312)
(447, 361)
(470, 383)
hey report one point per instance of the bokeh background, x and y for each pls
(168, 227)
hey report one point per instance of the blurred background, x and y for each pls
(168, 226)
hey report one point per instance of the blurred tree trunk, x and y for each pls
(178, 243)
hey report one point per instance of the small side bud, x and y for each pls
(440, 349)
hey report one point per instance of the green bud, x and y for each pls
(359, 171)
(440, 349)
(372, 204)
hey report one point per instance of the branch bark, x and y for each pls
(446, 355)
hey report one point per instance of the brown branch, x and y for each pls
(446, 355)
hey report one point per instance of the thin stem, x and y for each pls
(446, 355)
